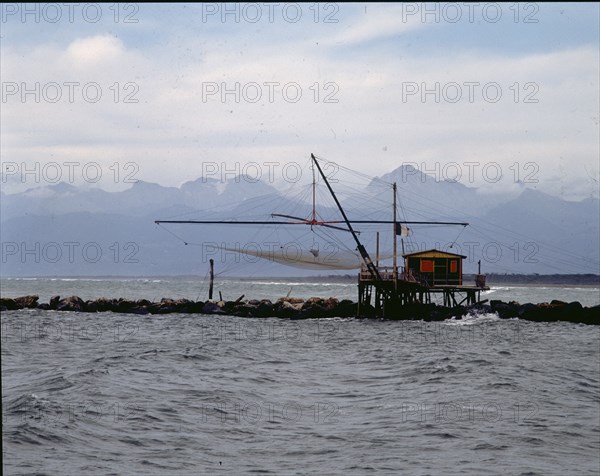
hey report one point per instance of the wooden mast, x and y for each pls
(314, 208)
(395, 268)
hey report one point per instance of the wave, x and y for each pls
(472, 319)
(497, 288)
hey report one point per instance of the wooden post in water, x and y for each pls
(478, 278)
(212, 278)
(377, 257)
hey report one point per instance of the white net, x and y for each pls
(292, 254)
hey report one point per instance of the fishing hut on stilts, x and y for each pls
(424, 274)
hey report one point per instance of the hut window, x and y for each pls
(426, 266)
(453, 266)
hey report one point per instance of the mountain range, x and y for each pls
(64, 230)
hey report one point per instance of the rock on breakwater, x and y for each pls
(296, 308)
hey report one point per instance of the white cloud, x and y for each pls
(172, 128)
(377, 22)
(96, 49)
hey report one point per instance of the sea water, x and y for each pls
(188, 394)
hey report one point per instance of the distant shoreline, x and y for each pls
(493, 280)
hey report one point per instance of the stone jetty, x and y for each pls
(296, 308)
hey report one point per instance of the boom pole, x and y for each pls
(303, 221)
(359, 246)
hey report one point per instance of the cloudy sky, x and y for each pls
(461, 92)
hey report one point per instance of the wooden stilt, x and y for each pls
(212, 278)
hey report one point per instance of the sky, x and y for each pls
(495, 96)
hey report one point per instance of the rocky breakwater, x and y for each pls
(296, 308)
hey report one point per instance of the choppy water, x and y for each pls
(190, 394)
(197, 289)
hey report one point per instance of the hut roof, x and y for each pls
(433, 254)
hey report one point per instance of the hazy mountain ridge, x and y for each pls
(565, 233)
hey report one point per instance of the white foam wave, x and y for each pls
(472, 319)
